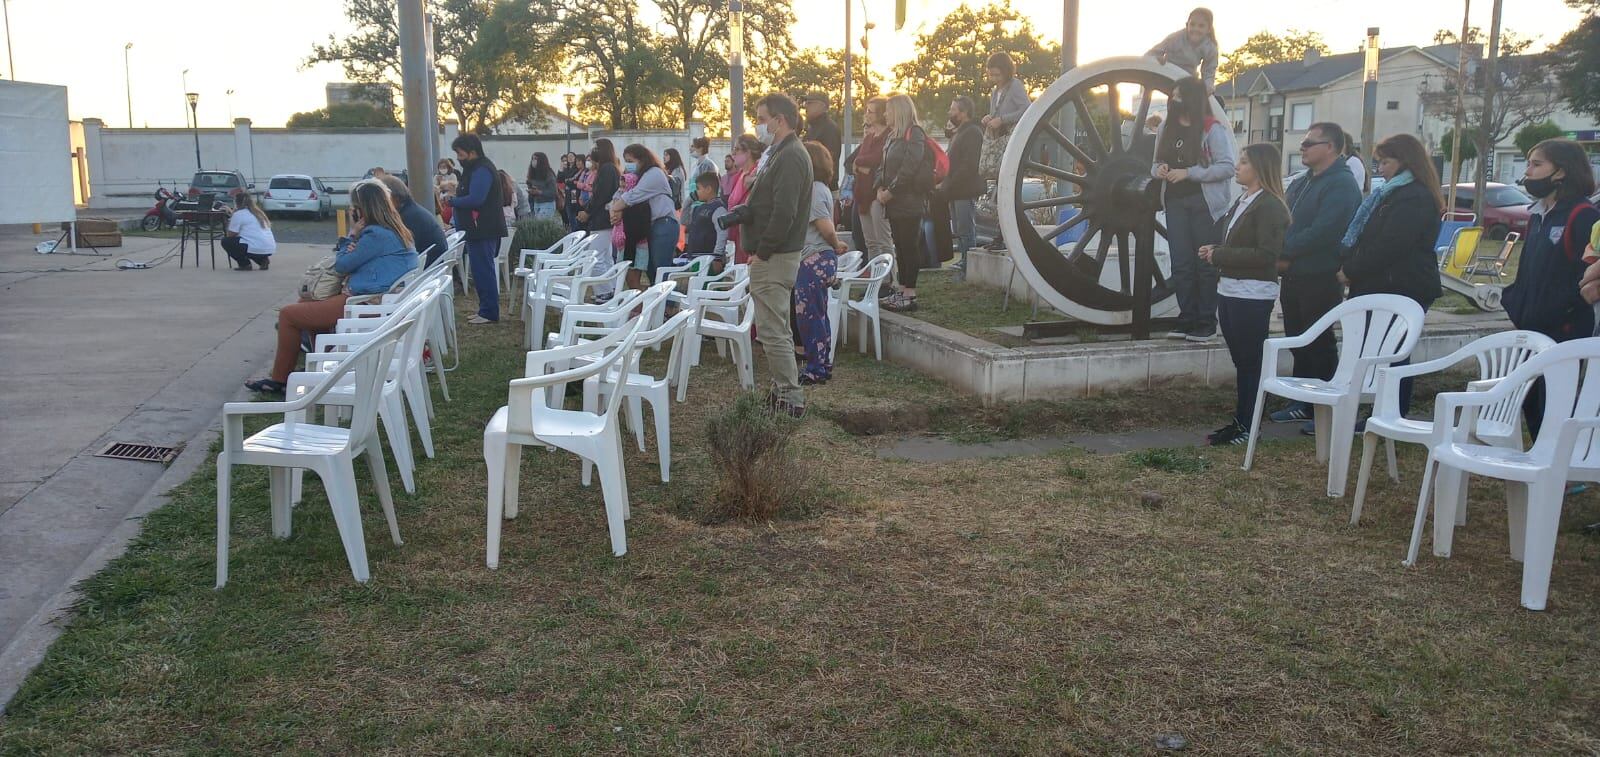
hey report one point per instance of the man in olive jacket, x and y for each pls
(780, 207)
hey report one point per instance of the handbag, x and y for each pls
(993, 152)
(321, 281)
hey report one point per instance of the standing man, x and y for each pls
(1321, 203)
(821, 128)
(700, 162)
(963, 186)
(477, 212)
(780, 211)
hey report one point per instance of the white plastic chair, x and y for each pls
(1378, 330)
(530, 262)
(726, 317)
(553, 287)
(1496, 355)
(870, 280)
(330, 451)
(502, 264)
(529, 419)
(641, 387)
(1568, 449)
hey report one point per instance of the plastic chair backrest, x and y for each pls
(369, 368)
(1447, 232)
(1462, 247)
(877, 273)
(849, 262)
(1374, 326)
(1571, 373)
(1498, 356)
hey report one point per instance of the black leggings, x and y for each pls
(906, 231)
(239, 250)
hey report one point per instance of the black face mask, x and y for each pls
(1539, 188)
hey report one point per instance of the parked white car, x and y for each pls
(297, 193)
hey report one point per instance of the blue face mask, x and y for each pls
(632, 167)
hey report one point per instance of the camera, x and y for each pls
(736, 216)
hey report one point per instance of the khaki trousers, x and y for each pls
(876, 232)
(772, 294)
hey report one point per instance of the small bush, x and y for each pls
(536, 234)
(1170, 460)
(757, 477)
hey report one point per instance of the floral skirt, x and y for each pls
(818, 272)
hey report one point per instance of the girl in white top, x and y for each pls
(249, 237)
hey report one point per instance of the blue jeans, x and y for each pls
(485, 276)
(1244, 327)
(1194, 281)
(544, 209)
(663, 243)
(964, 219)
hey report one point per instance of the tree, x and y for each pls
(1535, 133)
(480, 84)
(1576, 61)
(816, 68)
(618, 57)
(694, 46)
(1469, 145)
(1265, 48)
(949, 60)
(1525, 94)
(346, 116)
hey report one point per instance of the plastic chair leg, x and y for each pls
(341, 486)
(1394, 465)
(636, 418)
(1428, 470)
(1322, 417)
(1340, 438)
(1539, 548)
(494, 459)
(1369, 443)
(278, 495)
(614, 486)
(393, 417)
(877, 337)
(224, 485)
(380, 484)
(591, 404)
(661, 412)
(416, 394)
(1517, 517)
(1449, 488)
(1255, 431)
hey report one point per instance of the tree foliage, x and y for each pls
(694, 45)
(949, 60)
(1575, 61)
(1525, 95)
(822, 69)
(1265, 48)
(1535, 133)
(615, 55)
(346, 116)
(1469, 145)
(488, 54)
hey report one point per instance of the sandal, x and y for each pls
(265, 386)
(900, 303)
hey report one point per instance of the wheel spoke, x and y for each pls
(1064, 175)
(1064, 225)
(1052, 202)
(1105, 249)
(1161, 229)
(1123, 262)
(1115, 112)
(1083, 242)
(1144, 110)
(1067, 144)
(1088, 124)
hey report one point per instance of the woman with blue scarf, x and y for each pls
(1388, 248)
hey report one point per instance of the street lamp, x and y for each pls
(127, 81)
(569, 122)
(194, 105)
(736, 66)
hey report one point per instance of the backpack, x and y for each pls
(939, 167)
(676, 185)
(321, 281)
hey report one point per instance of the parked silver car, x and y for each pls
(297, 193)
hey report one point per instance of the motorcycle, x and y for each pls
(162, 215)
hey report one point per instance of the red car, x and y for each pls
(1505, 211)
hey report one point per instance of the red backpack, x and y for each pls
(940, 162)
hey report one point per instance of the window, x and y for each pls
(1236, 115)
(1300, 117)
(1295, 166)
(289, 182)
(1392, 105)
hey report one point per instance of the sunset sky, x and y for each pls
(255, 49)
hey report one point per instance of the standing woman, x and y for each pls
(541, 187)
(1195, 162)
(478, 202)
(819, 270)
(903, 183)
(677, 174)
(1008, 100)
(1546, 296)
(249, 237)
(865, 162)
(606, 179)
(1388, 248)
(725, 182)
(1252, 232)
(653, 190)
(746, 154)
(1192, 48)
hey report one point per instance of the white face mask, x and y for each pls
(764, 134)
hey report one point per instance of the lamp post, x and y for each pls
(229, 95)
(127, 81)
(569, 122)
(11, 65)
(194, 105)
(736, 66)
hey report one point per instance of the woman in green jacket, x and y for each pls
(1252, 230)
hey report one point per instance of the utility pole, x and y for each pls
(1491, 88)
(1369, 102)
(11, 65)
(736, 67)
(1069, 37)
(849, 103)
(127, 81)
(414, 88)
(1461, 105)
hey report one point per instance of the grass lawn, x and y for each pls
(1067, 603)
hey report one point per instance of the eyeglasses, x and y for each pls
(1308, 144)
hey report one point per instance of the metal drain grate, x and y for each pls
(149, 453)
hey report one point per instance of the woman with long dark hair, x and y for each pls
(1252, 232)
(1195, 162)
(677, 173)
(654, 190)
(605, 178)
(1547, 295)
(377, 253)
(541, 187)
(1388, 247)
(903, 184)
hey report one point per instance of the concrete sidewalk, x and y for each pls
(91, 354)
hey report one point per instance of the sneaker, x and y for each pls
(1295, 412)
(1180, 331)
(900, 304)
(1361, 426)
(1201, 334)
(264, 265)
(1229, 435)
(887, 292)
(477, 320)
(1309, 429)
